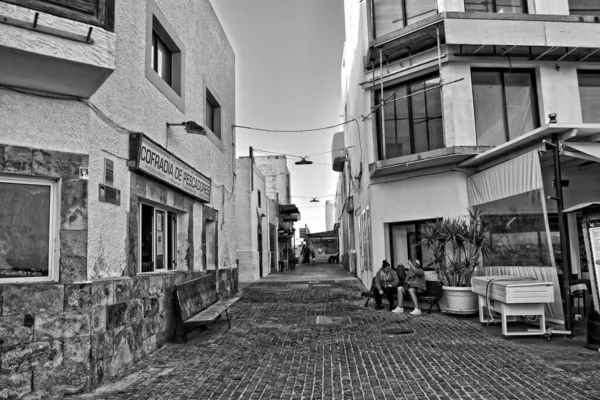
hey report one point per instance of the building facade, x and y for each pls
(265, 216)
(116, 182)
(451, 102)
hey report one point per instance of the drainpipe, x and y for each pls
(383, 152)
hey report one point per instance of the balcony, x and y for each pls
(49, 47)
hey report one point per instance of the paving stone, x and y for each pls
(276, 349)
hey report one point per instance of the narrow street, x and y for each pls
(305, 334)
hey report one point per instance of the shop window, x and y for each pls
(27, 229)
(584, 7)
(94, 12)
(404, 244)
(589, 94)
(413, 119)
(497, 6)
(158, 239)
(213, 114)
(164, 56)
(391, 15)
(505, 105)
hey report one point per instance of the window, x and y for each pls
(213, 114)
(164, 56)
(404, 244)
(210, 243)
(391, 15)
(505, 105)
(94, 12)
(584, 7)
(27, 224)
(589, 93)
(497, 6)
(413, 119)
(158, 237)
(259, 198)
(162, 59)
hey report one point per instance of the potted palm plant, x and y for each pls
(458, 245)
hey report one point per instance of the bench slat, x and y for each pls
(212, 312)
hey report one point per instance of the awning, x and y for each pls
(519, 175)
(586, 150)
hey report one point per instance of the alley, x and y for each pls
(304, 334)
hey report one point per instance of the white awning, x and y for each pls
(519, 175)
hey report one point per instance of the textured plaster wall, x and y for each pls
(275, 170)
(98, 327)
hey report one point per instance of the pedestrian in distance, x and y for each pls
(415, 285)
(385, 283)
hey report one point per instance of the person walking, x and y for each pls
(385, 283)
(415, 285)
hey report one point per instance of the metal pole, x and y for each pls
(564, 234)
(383, 152)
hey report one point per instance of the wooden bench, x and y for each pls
(431, 296)
(197, 302)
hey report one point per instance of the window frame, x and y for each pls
(158, 25)
(402, 3)
(215, 104)
(588, 11)
(104, 17)
(53, 227)
(585, 72)
(156, 208)
(534, 99)
(380, 139)
(495, 6)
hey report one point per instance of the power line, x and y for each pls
(293, 130)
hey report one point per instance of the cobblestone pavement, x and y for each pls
(294, 339)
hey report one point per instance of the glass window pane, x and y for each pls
(584, 7)
(419, 118)
(417, 10)
(388, 16)
(519, 103)
(489, 108)
(510, 6)
(210, 116)
(479, 6)
(434, 115)
(160, 240)
(589, 93)
(397, 133)
(24, 230)
(164, 61)
(147, 238)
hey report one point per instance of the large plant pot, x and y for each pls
(461, 300)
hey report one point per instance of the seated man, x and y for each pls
(415, 285)
(385, 282)
(334, 259)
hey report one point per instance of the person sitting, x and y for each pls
(385, 283)
(415, 285)
(334, 259)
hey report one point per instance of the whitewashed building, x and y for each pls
(450, 103)
(116, 182)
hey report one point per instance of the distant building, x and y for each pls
(265, 216)
(104, 207)
(453, 100)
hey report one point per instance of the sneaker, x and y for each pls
(398, 310)
(416, 311)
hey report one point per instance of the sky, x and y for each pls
(288, 60)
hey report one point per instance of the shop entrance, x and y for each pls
(158, 239)
(404, 244)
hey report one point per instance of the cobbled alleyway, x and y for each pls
(306, 335)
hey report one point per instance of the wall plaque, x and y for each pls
(152, 159)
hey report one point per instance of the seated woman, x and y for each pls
(385, 283)
(415, 285)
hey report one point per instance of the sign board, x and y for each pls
(152, 159)
(595, 244)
